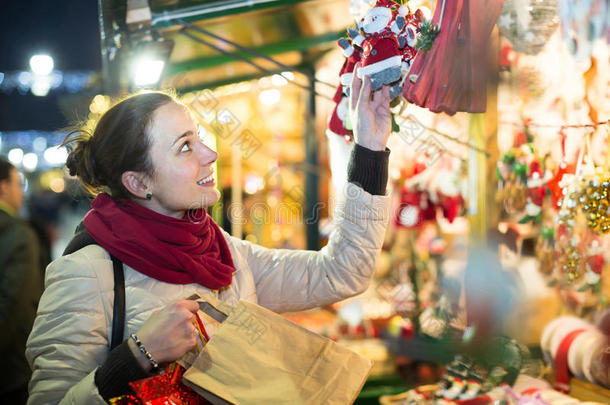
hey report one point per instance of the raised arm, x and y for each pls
(289, 280)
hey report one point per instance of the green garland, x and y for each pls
(428, 33)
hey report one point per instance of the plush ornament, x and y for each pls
(403, 10)
(407, 41)
(379, 19)
(338, 119)
(347, 72)
(356, 37)
(382, 59)
(339, 91)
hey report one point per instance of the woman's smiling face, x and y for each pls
(183, 166)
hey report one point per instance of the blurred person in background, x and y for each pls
(20, 286)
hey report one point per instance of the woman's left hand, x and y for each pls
(370, 113)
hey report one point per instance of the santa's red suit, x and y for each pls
(380, 53)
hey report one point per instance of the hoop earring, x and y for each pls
(148, 196)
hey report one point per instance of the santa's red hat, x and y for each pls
(387, 8)
(392, 5)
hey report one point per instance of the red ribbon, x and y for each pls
(562, 371)
(202, 328)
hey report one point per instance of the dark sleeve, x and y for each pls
(369, 169)
(20, 276)
(120, 368)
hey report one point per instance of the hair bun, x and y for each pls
(80, 161)
(72, 162)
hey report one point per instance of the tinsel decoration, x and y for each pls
(528, 24)
(428, 33)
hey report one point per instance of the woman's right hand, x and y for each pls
(370, 113)
(168, 334)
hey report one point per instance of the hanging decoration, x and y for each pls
(584, 214)
(528, 24)
(383, 43)
(428, 191)
(522, 180)
(464, 28)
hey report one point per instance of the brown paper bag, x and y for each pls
(258, 357)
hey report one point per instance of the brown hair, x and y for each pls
(120, 142)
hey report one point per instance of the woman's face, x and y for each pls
(183, 174)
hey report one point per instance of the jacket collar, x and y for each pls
(8, 209)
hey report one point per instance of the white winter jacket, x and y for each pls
(69, 339)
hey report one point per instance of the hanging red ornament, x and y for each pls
(459, 85)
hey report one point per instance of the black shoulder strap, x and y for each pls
(80, 240)
(118, 311)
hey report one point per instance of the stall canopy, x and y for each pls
(292, 32)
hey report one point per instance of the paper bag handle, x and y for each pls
(212, 311)
(209, 306)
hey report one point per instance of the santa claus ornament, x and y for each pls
(383, 43)
(536, 190)
(338, 120)
(387, 36)
(353, 55)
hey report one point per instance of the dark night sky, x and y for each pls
(66, 29)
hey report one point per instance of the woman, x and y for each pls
(146, 153)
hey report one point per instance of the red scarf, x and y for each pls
(176, 251)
